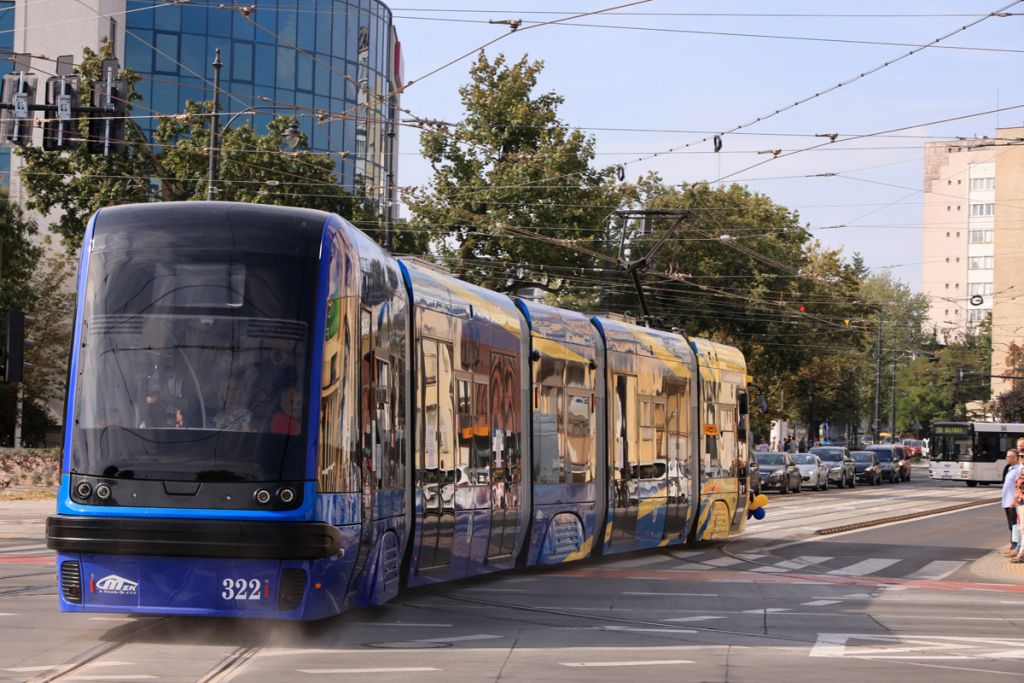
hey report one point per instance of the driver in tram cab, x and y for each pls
(234, 416)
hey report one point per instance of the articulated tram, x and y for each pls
(269, 416)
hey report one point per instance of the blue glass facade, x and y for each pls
(6, 44)
(294, 57)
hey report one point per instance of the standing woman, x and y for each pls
(1018, 499)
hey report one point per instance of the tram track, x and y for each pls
(222, 671)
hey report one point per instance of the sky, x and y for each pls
(665, 68)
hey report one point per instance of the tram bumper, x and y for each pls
(305, 578)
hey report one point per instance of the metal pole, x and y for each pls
(878, 381)
(211, 182)
(892, 427)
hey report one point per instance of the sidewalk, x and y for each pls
(25, 519)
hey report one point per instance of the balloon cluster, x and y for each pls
(756, 507)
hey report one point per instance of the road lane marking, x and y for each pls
(390, 624)
(456, 639)
(631, 629)
(937, 570)
(801, 562)
(638, 562)
(110, 677)
(869, 566)
(394, 670)
(769, 610)
(653, 662)
(702, 618)
(14, 548)
(694, 595)
(820, 603)
(496, 590)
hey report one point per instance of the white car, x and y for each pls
(813, 472)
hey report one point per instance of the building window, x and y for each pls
(980, 263)
(983, 183)
(979, 288)
(988, 209)
(947, 285)
(976, 315)
(982, 236)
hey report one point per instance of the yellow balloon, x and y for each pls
(760, 500)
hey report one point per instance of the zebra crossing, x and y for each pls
(25, 549)
(825, 565)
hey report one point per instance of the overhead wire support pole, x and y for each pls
(211, 181)
(878, 381)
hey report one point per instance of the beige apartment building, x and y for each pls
(1008, 295)
(958, 235)
(973, 240)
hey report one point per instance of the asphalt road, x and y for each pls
(925, 599)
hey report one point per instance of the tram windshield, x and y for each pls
(193, 366)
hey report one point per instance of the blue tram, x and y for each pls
(269, 416)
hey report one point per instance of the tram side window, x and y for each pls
(335, 466)
(428, 419)
(549, 428)
(579, 437)
(464, 418)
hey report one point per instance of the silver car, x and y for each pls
(813, 472)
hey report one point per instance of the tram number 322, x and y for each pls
(242, 589)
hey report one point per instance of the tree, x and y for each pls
(19, 257)
(253, 167)
(513, 186)
(731, 265)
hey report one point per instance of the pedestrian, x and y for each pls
(802, 448)
(1010, 474)
(762, 447)
(1018, 499)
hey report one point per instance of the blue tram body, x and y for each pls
(269, 416)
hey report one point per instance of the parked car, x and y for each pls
(841, 469)
(778, 471)
(813, 472)
(894, 462)
(913, 447)
(754, 473)
(866, 464)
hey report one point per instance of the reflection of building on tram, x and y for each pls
(441, 430)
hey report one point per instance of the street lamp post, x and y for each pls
(292, 135)
(211, 180)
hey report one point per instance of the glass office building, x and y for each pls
(333, 64)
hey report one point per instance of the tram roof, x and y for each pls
(230, 226)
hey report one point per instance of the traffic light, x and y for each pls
(14, 345)
(107, 129)
(63, 92)
(18, 95)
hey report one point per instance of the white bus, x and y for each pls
(973, 452)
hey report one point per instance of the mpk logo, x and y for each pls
(117, 585)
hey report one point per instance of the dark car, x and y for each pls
(866, 464)
(841, 469)
(754, 472)
(778, 471)
(894, 462)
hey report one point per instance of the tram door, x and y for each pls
(436, 467)
(624, 460)
(368, 445)
(679, 466)
(505, 458)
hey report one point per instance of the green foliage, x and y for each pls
(253, 168)
(511, 181)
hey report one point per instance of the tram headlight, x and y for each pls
(262, 496)
(83, 489)
(102, 491)
(286, 494)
